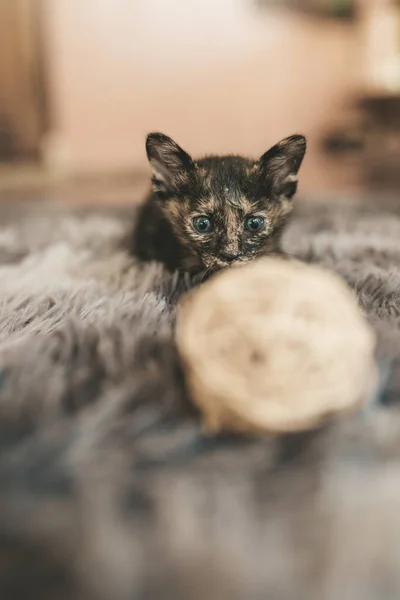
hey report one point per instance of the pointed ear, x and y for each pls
(280, 165)
(171, 166)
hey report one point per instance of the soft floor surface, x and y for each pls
(108, 489)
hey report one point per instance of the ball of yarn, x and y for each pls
(275, 346)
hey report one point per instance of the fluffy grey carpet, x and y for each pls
(108, 488)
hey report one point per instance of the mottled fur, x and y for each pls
(227, 189)
(108, 486)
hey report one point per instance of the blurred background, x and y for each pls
(83, 81)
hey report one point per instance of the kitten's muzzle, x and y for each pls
(229, 257)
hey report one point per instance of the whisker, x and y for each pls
(284, 254)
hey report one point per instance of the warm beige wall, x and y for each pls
(217, 75)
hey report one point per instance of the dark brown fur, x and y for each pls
(227, 189)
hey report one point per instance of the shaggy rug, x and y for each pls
(108, 488)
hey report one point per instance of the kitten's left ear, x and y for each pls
(171, 166)
(281, 164)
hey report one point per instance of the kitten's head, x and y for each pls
(225, 209)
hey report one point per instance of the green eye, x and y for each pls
(202, 224)
(254, 224)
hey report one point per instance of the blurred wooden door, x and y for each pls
(22, 108)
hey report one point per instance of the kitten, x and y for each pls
(204, 215)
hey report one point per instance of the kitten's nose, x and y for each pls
(229, 256)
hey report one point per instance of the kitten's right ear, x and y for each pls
(171, 166)
(281, 164)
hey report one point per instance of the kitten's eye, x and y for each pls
(202, 224)
(254, 224)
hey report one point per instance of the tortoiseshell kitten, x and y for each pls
(204, 215)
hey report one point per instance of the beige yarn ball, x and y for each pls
(275, 346)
